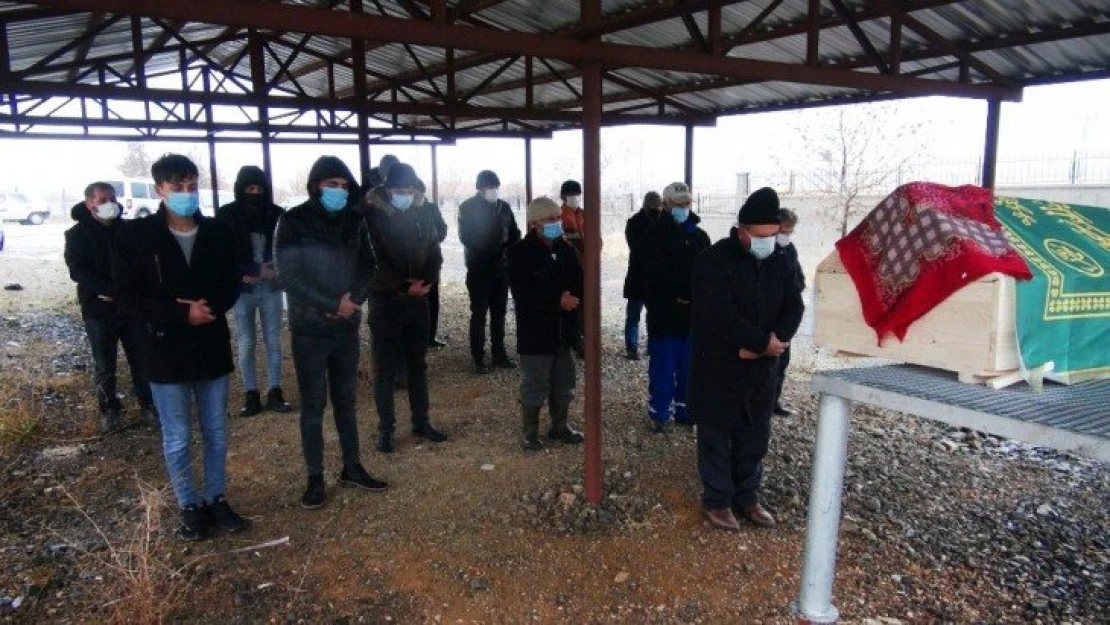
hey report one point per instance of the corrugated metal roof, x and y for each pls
(1011, 39)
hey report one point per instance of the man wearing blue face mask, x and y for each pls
(174, 270)
(747, 304)
(545, 276)
(668, 251)
(322, 253)
(405, 238)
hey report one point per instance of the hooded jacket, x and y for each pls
(88, 255)
(635, 229)
(321, 255)
(252, 222)
(738, 301)
(152, 275)
(486, 230)
(405, 243)
(669, 250)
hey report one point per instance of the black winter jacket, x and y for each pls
(538, 282)
(319, 257)
(635, 229)
(486, 230)
(669, 250)
(151, 275)
(88, 254)
(738, 302)
(253, 222)
(405, 243)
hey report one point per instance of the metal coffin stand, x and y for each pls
(1073, 418)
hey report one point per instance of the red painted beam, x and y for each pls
(341, 24)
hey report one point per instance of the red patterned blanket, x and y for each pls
(924, 242)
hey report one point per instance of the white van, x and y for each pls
(15, 206)
(137, 197)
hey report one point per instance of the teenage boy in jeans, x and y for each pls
(174, 270)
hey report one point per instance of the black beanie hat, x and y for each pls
(401, 176)
(487, 178)
(761, 208)
(570, 187)
(330, 167)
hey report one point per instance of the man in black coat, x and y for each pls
(405, 239)
(252, 218)
(487, 228)
(746, 308)
(174, 271)
(546, 279)
(323, 257)
(635, 229)
(88, 254)
(669, 249)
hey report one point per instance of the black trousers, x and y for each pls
(399, 338)
(327, 364)
(730, 456)
(489, 293)
(433, 313)
(784, 362)
(105, 335)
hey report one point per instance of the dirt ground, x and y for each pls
(475, 530)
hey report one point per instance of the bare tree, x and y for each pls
(136, 163)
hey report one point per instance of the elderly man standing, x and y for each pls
(669, 250)
(546, 279)
(487, 228)
(747, 304)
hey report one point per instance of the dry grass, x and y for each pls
(21, 407)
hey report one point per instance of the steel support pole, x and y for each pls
(689, 162)
(527, 169)
(591, 159)
(814, 603)
(990, 147)
(435, 173)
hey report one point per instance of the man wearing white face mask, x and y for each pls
(88, 254)
(487, 228)
(405, 239)
(747, 305)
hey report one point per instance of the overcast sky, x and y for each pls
(1051, 121)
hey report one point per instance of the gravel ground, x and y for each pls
(940, 524)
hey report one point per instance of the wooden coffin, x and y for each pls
(970, 333)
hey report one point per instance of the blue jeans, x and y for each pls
(632, 324)
(668, 374)
(175, 407)
(267, 301)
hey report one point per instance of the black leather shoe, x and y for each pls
(252, 405)
(481, 368)
(225, 518)
(504, 362)
(385, 442)
(275, 401)
(429, 433)
(192, 524)
(632, 354)
(436, 344)
(782, 411)
(356, 475)
(316, 493)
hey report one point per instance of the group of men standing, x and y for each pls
(163, 285)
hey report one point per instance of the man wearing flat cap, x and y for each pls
(746, 307)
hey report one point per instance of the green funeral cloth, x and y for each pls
(1063, 313)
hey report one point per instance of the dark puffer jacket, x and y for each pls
(319, 256)
(669, 250)
(738, 301)
(88, 255)
(152, 275)
(252, 219)
(538, 282)
(406, 243)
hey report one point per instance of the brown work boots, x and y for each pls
(723, 518)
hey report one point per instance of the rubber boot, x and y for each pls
(560, 431)
(531, 419)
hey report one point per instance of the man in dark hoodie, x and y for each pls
(747, 305)
(405, 240)
(322, 253)
(253, 217)
(88, 254)
(173, 270)
(634, 281)
(487, 228)
(669, 249)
